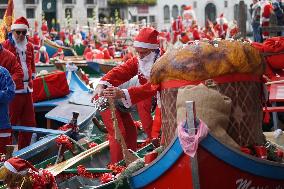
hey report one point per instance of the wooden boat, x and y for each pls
(47, 67)
(104, 65)
(93, 68)
(215, 165)
(52, 48)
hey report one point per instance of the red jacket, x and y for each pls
(37, 57)
(8, 61)
(125, 72)
(221, 30)
(9, 45)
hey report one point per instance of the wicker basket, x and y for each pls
(245, 119)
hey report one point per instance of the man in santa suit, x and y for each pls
(147, 46)
(8, 61)
(190, 25)
(21, 108)
(209, 32)
(42, 56)
(265, 11)
(7, 92)
(44, 29)
(177, 28)
(221, 27)
(59, 54)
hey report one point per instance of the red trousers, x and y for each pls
(22, 113)
(5, 139)
(157, 123)
(144, 111)
(128, 131)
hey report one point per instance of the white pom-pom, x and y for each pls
(277, 133)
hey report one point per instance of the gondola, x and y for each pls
(52, 48)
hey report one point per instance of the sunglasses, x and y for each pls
(21, 32)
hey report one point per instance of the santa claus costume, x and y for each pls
(19, 173)
(177, 28)
(140, 95)
(59, 54)
(42, 56)
(21, 108)
(221, 27)
(7, 92)
(265, 11)
(209, 32)
(190, 24)
(44, 29)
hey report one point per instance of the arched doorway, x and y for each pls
(210, 12)
(49, 10)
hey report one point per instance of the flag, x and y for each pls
(7, 21)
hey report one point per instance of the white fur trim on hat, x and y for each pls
(11, 168)
(145, 45)
(19, 26)
(42, 49)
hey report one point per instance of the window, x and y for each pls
(90, 13)
(152, 19)
(30, 13)
(134, 19)
(195, 4)
(90, 2)
(181, 9)
(2, 13)
(3, 1)
(225, 4)
(30, 1)
(68, 11)
(68, 1)
(166, 13)
(175, 11)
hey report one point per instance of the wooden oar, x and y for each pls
(279, 141)
(128, 156)
(274, 82)
(57, 169)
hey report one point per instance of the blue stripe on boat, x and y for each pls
(157, 167)
(35, 148)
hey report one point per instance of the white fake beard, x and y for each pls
(21, 46)
(188, 23)
(78, 42)
(145, 64)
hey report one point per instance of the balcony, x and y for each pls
(69, 1)
(90, 2)
(132, 2)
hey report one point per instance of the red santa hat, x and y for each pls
(20, 23)
(221, 19)
(60, 50)
(147, 38)
(18, 165)
(188, 10)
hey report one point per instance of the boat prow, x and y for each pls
(215, 166)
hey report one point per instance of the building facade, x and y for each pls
(159, 13)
